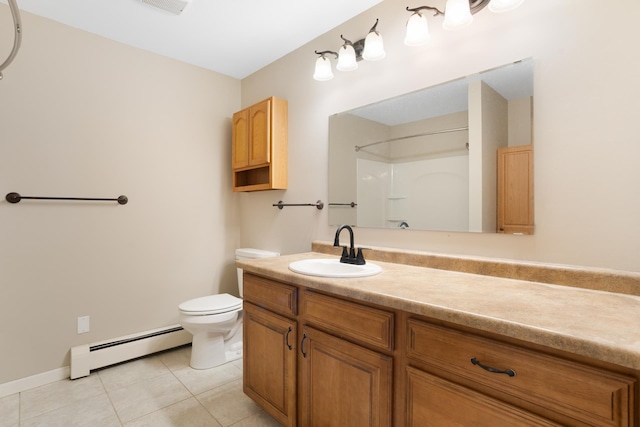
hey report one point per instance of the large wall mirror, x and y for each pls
(430, 160)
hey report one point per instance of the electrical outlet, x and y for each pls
(83, 324)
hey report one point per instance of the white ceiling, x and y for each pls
(232, 37)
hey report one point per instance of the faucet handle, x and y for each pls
(360, 258)
(345, 254)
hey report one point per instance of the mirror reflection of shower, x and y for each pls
(428, 158)
(17, 23)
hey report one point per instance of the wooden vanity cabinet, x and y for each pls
(342, 382)
(435, 402)
(270, 348)
(315, 359)
(338, 372)
(259, 146)
(523, 383)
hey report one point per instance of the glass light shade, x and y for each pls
(457, 14)
(499, 6)
(373, 47)
(417, 30)
(347, 58)
(323, 70)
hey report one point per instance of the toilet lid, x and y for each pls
(212, 304)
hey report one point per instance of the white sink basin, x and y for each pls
(323, 267)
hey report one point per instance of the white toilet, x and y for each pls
(215, 321)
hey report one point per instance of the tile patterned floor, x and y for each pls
(160, 391)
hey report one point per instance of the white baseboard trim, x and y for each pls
(17, 386)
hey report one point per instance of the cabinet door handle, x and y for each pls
(304, 337)
(286, 339)
(509, 372)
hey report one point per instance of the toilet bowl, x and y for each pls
(215, 321)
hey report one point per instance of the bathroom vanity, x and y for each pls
(422, 346)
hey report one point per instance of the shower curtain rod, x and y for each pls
(17, 39)
(436, 132)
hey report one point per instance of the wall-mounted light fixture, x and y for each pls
(371, 48)
(457, 14)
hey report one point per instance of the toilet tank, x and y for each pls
(250, 253)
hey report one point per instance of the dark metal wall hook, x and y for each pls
(16, 197)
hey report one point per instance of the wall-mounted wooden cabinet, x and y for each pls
(259, 146)
(515, 190)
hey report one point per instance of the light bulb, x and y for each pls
(347, 58)
(417, 30)
(323, 70)
(499, 6)
(373, 47)
(457, 14)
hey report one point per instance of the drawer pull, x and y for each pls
(286, 338)
(509, 372)
(304, 337)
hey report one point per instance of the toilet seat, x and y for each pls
(211, 304)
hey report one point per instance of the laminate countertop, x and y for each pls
(601, 325)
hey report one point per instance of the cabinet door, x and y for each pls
(434, 402)
(240, 140)
(270, 362)
(515, 189)
(343, 384)
(260, 133)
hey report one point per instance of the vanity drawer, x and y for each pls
(434, 402)
(349, 320)
(590, 396)
(271, 295)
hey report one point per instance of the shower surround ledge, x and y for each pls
(586, 312)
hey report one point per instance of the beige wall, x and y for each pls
(586, 143)
(80, 115)
(84, 116)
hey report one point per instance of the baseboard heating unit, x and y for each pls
(87, 357)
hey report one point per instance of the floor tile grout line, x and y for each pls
(110, 401)
(147, 357)
(20, 417)
(173, 366)
(157, 410)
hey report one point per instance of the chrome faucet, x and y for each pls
(349, 257)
